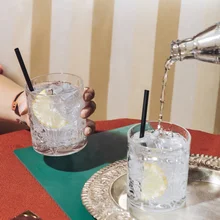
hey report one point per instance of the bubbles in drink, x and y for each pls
(55, 117)
(158, 170)
(166, 140)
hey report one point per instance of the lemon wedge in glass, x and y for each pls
(154, 183)
(47, 116)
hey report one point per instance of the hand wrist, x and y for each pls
(19, 106)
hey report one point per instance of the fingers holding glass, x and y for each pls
(89, 94)
(88, 109)
(90, 127)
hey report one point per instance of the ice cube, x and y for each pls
(156, 133)
(67, 86)
(57, 89)
(70, 92)
(49, 91)
(178, 141)
(67, 96)
(160, 142)
(146, 141)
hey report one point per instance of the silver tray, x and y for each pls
(104, 194)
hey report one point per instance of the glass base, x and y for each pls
(60, 151)
(143, 213)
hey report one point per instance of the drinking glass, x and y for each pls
(157, 168)
(54, 112)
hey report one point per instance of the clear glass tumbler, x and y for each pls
(54, 112)
(157, 168)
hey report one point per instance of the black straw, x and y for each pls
(24, 70)
(144, 113)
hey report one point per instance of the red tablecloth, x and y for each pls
(19, 191)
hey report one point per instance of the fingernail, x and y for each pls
(88, 131)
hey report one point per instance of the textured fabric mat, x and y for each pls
(64, 177)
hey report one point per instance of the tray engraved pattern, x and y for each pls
(96, 194)
(205, 161)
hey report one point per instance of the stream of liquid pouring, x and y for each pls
(167, 66)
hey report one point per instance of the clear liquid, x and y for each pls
(169, 153)
(62, 102)
(167, 66)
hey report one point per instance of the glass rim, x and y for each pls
(49, 74)
(188, 140)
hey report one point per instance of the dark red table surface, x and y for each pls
(19, 191)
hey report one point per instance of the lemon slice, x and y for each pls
(47, 116)
(154, 183)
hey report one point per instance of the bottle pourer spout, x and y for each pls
(175, 50)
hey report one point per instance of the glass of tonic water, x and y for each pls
(54, 112)
(157, 168)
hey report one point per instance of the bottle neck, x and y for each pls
(181, 50)
(189, 49)
(205, 46)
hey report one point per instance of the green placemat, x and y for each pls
(64, 177)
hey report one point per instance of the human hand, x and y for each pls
(88, 110)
